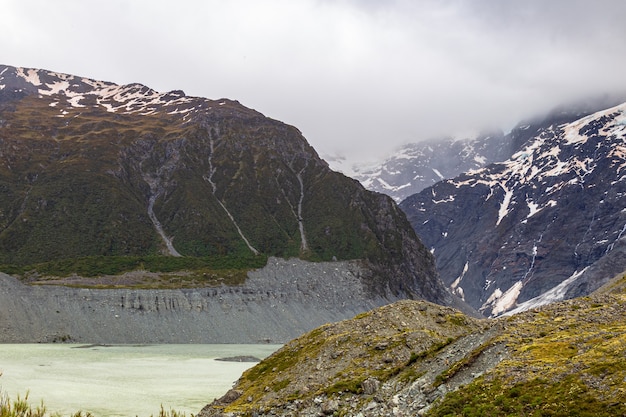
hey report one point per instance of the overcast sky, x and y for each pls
(358, 78)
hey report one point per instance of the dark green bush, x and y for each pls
(91, 266)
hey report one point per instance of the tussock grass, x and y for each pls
(20, 407)
(163, 272)
(336, 359)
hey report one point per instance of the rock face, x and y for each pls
(321, 369)
(91, 169)
(535, 225)
(413, 358)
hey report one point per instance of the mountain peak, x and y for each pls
(416, 166)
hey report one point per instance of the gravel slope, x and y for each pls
(276, 304)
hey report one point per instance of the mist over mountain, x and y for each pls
(420, 164)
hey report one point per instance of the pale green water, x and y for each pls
(122, 380)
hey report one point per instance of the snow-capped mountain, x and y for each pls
(421, 164)
(71, 91)
(546, 224)
(418, 165)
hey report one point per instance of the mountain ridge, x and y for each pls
(418, 165)
(517, 229)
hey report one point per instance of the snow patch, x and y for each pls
(571, 130)
(480, 159)
(459, 293)
(457, 281)
(436, 171)
(533, 208)
(388, 186)
(619, 236)
(75, 101)
(554, 294)
(30, 75)
(503, 302)
(497, 293)
(448, 199)
(54, 88)
(504, 207)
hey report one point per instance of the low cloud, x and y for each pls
(356, 77)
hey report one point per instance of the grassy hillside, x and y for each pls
(101, 185)
(567, 359)
(564, 359)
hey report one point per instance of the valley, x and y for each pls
(489, 279)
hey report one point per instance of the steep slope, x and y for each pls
(108, 174)
(415, 358)
(531, 226)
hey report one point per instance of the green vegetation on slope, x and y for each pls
(337, 359)
(563, 359)
(172, 271)
(83, 183)
(567, 359)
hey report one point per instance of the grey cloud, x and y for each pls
(356, 76)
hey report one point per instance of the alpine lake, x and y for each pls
(124, 380)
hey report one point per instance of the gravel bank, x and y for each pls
(276, 304)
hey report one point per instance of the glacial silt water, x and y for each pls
(122, 380)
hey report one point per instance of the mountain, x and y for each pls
(413, 358)
(421, 164)
(99, 178)
(544, 225)
(418, 165)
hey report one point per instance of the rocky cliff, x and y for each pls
(536, 228)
